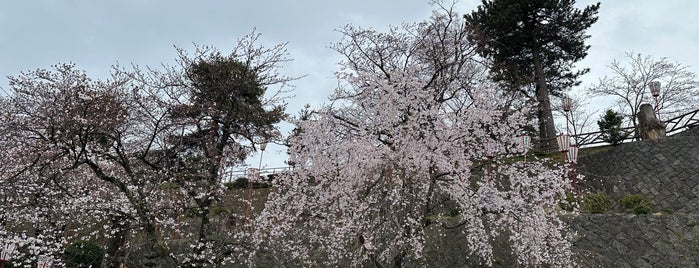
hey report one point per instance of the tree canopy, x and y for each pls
(533, 42)
(629, 83)
(382, 169)
(127, 156)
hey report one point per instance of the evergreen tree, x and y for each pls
(533, 42)
(610, 126)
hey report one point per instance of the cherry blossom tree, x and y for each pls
(402, 144)
(628, 82)
(123, 158)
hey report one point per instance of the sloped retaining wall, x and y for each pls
(605, 240)
(666, 172)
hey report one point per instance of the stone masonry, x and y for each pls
(666, 172)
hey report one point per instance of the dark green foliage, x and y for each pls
(610, 126)
(233, 90)
(242, 183)
(515, 33)
(568, 203)
(533, 42)
(272, 177)
(636, 204)
(453, 212)
(226, 99)
(83, 254)
(230, 185)
(220, 210)
(596, 203)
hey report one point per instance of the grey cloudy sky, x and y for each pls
(96, 34)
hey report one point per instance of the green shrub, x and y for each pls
(596, 203)
(242, 183)
(272, 177)
(219, 210)
(610, 126)
(84, 254)
(636, 204)
(568, 202)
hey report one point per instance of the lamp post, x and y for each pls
(526, 142)
(253, 174)
(573, 159)
(655, 91)
(567, 104)
(563, 144)
(6, 253)
(564, 147)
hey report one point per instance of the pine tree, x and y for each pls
(533, 42)
(610, 126)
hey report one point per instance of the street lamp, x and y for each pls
(525, 141)
(564, 147)
(563, 143)
(567, 104)
(655, 91)
(6, 253)
(573, 159)
(253, 174)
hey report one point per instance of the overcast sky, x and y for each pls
(96, 34)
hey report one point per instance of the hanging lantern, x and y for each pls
(526, 142)
(563, 142)
(567, 104)
(44, 262)
(490, 149)
(654, 88)
(7, 251)
(573, 154)
(253, 173)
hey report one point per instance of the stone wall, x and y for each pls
(666, 172)
(604, 240)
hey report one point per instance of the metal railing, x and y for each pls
(672, 126)
(233, 175)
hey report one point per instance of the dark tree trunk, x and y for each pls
(115, 246)
(649, 127)
(547, 130)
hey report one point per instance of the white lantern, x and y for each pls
(44, 262)
(526, 142)
(490, 149)
(654, 88)
(563, 142)
(7, 251)
(567, 103)
(573, 154)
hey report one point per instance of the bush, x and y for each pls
(568, 202)
(636, 204)
(84, 254)
(596, 203)
(242, 183)
(610, 126)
